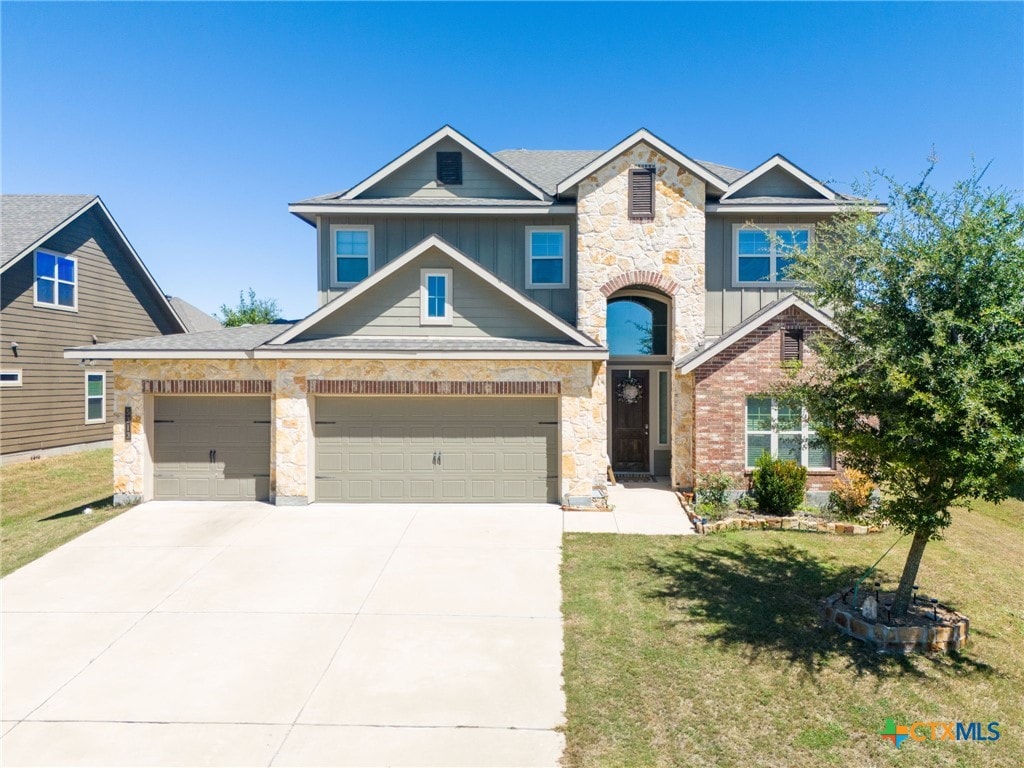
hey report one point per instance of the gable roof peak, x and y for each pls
(779, 160)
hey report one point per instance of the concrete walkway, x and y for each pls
(244, 634)
(645, 508)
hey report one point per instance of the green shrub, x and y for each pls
(713, 489)
(710, 511)
(778, 485)
(747, 502)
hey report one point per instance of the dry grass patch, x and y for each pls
(41, 503)
(706, 651)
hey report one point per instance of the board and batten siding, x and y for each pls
(498, 243)
(114, 302)
(418, 178)
(392, 308)
(727, 306)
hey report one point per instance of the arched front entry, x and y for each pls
(639, 328)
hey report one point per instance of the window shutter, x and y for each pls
(449, 167)
(792, 344)
(641, 193)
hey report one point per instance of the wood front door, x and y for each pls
(630, 429)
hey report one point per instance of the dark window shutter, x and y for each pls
(449, 167)
(641, 193)
(792, 344)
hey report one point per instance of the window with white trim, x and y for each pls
(547, 261)
(56, 281)
(351, 254)
(10, 377)
(785, 432)
(435, 297)
(95, 397)
(762, 254)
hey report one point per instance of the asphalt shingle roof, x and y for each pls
(193, 317)
(26, 218)
(238, 339)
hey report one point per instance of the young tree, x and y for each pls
(924, 388)
(251, 311)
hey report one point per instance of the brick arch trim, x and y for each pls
(641, 277)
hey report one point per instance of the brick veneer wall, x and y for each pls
(722, 386)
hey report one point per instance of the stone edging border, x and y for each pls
(772, 523)
(943, 638)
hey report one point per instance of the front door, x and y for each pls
(630, 412)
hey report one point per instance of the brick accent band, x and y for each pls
(207, 387)
(365, 387)
(641, 277)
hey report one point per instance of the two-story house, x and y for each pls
(69, 277)
(498, 327)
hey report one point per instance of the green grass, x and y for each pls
(41, 503)
(706, 651)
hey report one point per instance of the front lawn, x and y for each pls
(705, 651)
(41, 503)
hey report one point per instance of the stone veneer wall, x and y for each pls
(582, 386)
(721, 388)
(610, 245)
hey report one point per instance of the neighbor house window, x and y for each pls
(546, 260)
(449, 168)
(785, 432)
(352, 254)
(10, 378)
(95, 397)
(56, 280)
(764, 254)
(641, 192)
(435, 297)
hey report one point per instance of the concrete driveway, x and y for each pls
(244, 634)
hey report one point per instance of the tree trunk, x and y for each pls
(904, 593)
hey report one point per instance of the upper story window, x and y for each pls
(547, 262)
(641, 192)
(435, 297)
(637, 326)
(56, 281)
(352, 254)
(785, 432)
(449, 168)
(764, 254)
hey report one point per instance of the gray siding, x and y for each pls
(48, 410)
(393, 309)
(418, 178)
(496, 242)
(776, 183)
(727, 306)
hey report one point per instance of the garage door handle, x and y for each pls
(213, 456)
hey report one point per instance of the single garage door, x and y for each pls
(436, 449)
(211, 448)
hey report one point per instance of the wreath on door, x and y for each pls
(629, 390)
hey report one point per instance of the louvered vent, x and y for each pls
(449, 168)
(792, 344)
(641, 193)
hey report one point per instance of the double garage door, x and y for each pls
(368, 449)
(436, 449)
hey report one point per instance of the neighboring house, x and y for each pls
(192, 317)
(499, 327)
(69, 278)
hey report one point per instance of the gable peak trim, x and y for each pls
(444, 132)
(779, 161)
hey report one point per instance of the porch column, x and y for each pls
(131, 451)
(289, 473)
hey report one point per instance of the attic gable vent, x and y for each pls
(641, 192)
(449, 168)
(792, 344)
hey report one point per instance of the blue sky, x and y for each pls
(199, 123)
